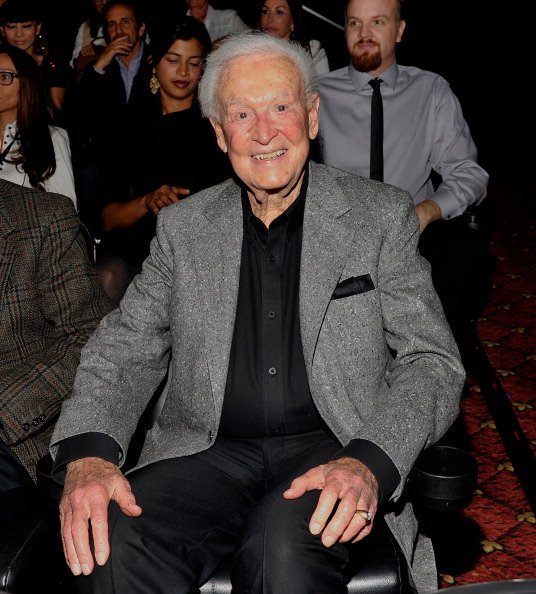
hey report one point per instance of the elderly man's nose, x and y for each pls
(264, 129)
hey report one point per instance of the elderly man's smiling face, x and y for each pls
(266, 124)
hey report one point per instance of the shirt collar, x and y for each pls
(361, 79)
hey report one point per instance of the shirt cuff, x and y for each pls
(379, 463)
(98, 70)
(84, 445)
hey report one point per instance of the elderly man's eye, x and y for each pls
(281, 108)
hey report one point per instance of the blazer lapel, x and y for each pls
(217, 254)
(327, 240)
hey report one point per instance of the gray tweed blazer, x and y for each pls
(184, 303)
(50, 303)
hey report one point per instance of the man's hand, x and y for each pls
(427, 211)
(90, 484)
(347, 485)
(164, 196)
(120, 46)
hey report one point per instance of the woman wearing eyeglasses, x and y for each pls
(33, 153)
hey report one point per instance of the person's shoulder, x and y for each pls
(195, 205)
(361, 192)
(336, 79)
(34, 205)
(419, 75)
(224, 12)
(58, 132)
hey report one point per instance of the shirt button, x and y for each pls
(272, 371)
(271, 258)
(210, 436)
(271, 314)
(275, 430)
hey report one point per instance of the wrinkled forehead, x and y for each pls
(261, 76)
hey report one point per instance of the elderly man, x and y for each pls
(309, 365)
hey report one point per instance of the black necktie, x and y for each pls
(376, 131)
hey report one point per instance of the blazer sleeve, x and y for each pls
(113, 383)
(71, 303)
(425, 378)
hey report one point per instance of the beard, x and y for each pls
(367, 61)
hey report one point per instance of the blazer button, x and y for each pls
(35, 422)
(42, 417)
(26, 426)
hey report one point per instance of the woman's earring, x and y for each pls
(40, 47)
(154, 85)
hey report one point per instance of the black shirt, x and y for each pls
(267, 391)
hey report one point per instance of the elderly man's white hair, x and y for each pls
(249, 44)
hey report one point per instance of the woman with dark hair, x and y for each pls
(21, 26)
(285, 19)
(175, 154)
(33, 152)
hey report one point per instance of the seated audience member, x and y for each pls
(89, 41)
(117, 80)
(174, 154)
(51, 303)
(309, 365)
(219, 23)
(21, 26)
(285, 19)
(34, 153)
(424, 131)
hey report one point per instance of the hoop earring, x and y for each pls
(154, 85)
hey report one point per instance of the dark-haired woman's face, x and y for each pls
(22, 35)
(9, 94)
(179, 71)
(276, 19)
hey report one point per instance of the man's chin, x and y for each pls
(367, 62)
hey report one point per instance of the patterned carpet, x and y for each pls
(495, 538)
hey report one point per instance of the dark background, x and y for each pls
(477, 50)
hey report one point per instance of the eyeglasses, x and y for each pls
(7, 77)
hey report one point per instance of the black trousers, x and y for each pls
(461, 268)
(17, 489)
(224, 504)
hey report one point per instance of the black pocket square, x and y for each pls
(353, 286)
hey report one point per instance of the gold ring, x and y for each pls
(366, 515)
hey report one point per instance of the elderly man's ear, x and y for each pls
(313, 117)
(220, 138)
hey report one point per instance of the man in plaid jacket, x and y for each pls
(50, 302)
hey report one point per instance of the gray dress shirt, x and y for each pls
(424, 130)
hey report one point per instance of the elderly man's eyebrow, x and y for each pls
(285, 95)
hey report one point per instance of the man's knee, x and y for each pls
(280, 552)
